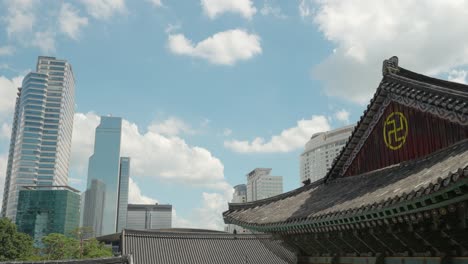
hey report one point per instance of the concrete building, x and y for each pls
(239, 196)
(107, 187)
(43, 210)
(320, 151)
(261, 185)
(149, 216)
(42, 128)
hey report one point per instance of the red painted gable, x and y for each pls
(402, 134)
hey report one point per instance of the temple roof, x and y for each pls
(202, 247)
(337, 197)
(354, 195)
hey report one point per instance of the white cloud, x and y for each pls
(104, 9)
(290, 139)
(214, 8)
(8, 91)
(45, 41)
(171, 127)
(135, 196)
(227, 132)
(458, 76)
(304, 8)
(181, 222)
(225, 47)
(70, 21)
(428, 37)
(156, 3)
(171, 28)
(209, 216)
(268, 9)
(343, 116)
(84, 126)
(20, 17)
(5, 131)
(3, 164)
(6, 50)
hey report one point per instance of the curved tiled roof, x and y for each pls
(112, 260)
(202, 247)
(354, 196)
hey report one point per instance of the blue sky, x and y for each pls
(212, 89)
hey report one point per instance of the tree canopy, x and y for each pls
(58, 246)
(19, 246)
(14, 245)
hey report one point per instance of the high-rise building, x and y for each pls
(261, 185)
(124, 176)
(107, 187)
(149, 216)
(42, 129)
(43, 210)
(239, 196)
(320, 151)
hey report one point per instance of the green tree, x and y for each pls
(94, 249)
(58, 246)
(75, 246)
(14, 245)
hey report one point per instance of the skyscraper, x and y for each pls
(124, 174)
(261, 185)
(107, 187)
(42, 129)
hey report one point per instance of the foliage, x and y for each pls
(14, 245)
(94, 249)
(58, 246)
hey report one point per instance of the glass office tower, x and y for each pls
(123, 193)
(42, 211)
(106, 186)
(42, 130)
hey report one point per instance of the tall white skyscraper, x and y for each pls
(320, 151)
(261, 185)
(42, 130)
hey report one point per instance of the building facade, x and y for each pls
(42, 131)
(261, 185)
(320, 151)
(43, 210)
(239, 196)
(124, 176)
(149, 216)
(107, 187)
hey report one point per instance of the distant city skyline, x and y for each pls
(208, 92)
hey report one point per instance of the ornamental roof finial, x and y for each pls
(390, 66)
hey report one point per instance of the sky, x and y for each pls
(211, 89)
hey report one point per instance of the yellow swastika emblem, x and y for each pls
(395, 130)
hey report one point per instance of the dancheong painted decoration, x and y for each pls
(398, 191)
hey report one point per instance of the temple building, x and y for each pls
(396, 193)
